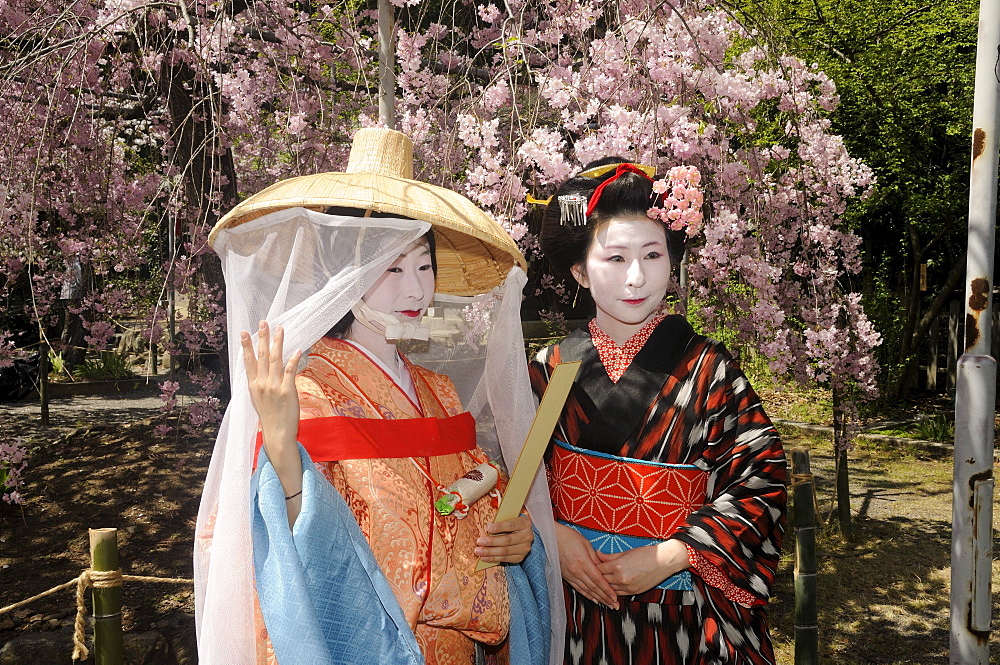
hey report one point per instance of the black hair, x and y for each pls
(341, 328)
(630, 195)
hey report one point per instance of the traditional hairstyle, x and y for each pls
(341, 327)
(630, 194)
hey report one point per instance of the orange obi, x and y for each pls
(620, 503)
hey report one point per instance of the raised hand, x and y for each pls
(273, 394)
(579, 563)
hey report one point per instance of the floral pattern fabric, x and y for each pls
(616, 359)
(428, 559)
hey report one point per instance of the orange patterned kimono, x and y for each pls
(428, 559)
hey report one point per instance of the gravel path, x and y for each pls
(66, 414)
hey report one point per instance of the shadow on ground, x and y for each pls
(117, 472)
(884, 597)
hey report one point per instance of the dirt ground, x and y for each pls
(102, 464)
(884, 597)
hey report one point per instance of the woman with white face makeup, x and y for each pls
(392, 496)
(667, 478)
(358, 537)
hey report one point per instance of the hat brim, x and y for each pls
(474, 253)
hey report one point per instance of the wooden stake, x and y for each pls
(804, 517)
(107, 601)
(43, 379)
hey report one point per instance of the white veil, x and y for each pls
(303, 270)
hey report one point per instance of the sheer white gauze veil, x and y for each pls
(303, 270)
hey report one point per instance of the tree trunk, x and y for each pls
(207, 164)
(911, 339)
(911, 297)
(843, 479)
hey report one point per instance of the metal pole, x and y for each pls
(975, 397)
(386, 65)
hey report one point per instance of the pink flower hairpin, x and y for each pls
(680, 200)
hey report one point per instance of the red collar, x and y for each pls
(616, 359)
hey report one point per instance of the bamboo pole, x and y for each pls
(107, 601)
(804, 517)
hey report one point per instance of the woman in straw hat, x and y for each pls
(674, 562)
(357, 537)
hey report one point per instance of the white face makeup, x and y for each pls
(627, 270)
(407, 286)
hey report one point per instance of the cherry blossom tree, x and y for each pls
(135, 117)
(130, 120)
(540, 89)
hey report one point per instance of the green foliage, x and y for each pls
(753, 364)
(108, 365)
(887, 314)
(904, 70)
(938, 428)
(56, 363)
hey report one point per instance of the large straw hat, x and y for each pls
(474, 253)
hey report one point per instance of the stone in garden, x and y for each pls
(37, 648)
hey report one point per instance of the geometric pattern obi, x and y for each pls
(620, 503)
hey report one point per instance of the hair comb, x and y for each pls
(572, 210)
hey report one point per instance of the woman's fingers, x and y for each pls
(604, 593)
(269, 352)
(578, 561)
(270, 386)
(517, 524)
(276, 351)
(290, 368)
(508, 541)
(249, 361)
(263, 355)
(593, 585)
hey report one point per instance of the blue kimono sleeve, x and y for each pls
(324, 598)
(529, 608)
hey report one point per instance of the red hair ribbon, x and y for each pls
(622, 168)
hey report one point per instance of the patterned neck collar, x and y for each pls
(616, 359)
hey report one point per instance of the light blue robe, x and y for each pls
(324, 598)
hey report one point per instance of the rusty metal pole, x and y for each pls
(975, 397)
(386, 65)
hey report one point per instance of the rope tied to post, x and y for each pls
(102, 579)
(807, 479)
(97, 579)
(801, 479)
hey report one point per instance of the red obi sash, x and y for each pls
(337, 438)
(621, 495)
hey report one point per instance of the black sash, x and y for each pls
(616, 410)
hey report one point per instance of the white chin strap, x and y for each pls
(385, 324)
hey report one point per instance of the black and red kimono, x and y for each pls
(677, 445)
